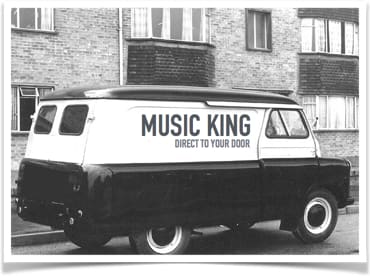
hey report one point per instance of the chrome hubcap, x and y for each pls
(317, 215)
(164, 240)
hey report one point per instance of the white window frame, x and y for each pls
(317, 110)
(36, 16)
(37, 100)
(204, 17)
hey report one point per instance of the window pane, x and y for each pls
(157, 22)
(14, 108)
(44, 91)
(27, 108)
(14, 17)
(260, 30)
(309, 107)
(336, 112)
(176, 23)
(27, 18)
(196, 24)
(294, 123)
(355, 40)
(275, 127)
(323, 112)
(320, 35)
(45, 119)
(350, 112)
(250, 27)
(335, 37)
(28, 91)
(306, 34)
(73, 120)
(349, 35)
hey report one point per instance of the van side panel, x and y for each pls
(183, 193)
(127, 132)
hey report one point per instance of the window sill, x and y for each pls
(259, 50)
(52, 32)
(326, 54)
(337, 130)
(170, 41)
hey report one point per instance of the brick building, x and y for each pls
(308, 54)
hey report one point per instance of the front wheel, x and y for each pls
(319, 218)
(165, 240)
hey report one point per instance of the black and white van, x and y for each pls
(155, 162)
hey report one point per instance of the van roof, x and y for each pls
(168, 93)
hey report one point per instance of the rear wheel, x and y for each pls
(84, 240)
(165, 240)
(319, 218)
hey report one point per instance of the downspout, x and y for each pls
(120, 43)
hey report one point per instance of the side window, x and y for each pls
(286, 124)
(73, 120)
(294, 123)
(45, 119)
(275, 126)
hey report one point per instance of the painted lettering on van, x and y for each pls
(187, 125)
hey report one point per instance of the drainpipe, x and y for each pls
(120, 43)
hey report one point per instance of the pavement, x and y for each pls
(26, 233)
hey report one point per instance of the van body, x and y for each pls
(155, 162)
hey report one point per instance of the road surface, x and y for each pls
(262, 238)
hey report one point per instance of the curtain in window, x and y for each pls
(355, 40)
(350, 112)
(309, 106)
(336, 112)
(46, 18)
(335, 36)
(166, 31)
(44, 91)
(323, 112)
(187, 24)
(349, 35)
(320, 35)
(306, 34)
(14, 108)
(140, 19)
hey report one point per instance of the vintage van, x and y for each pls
(156, 162)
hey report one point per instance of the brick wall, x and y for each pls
(18, 144)
(328, 74)
(82, 51)
(236, 66)
(170, 63)
(338, 143)
(337, 14)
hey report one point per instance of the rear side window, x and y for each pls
(286, 124)
(73, 120)
(45, 119)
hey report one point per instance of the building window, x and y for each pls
(24, 102)
(184, 24)
(331, 112)
(329, 36)
(33, 18)
(258, 30)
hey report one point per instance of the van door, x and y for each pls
(288, 158)
(66, 140)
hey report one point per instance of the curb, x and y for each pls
(38, 238)
(59, 236)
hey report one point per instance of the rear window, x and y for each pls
(73, 120)
(45, 119)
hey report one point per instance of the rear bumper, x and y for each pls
(56, 215)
